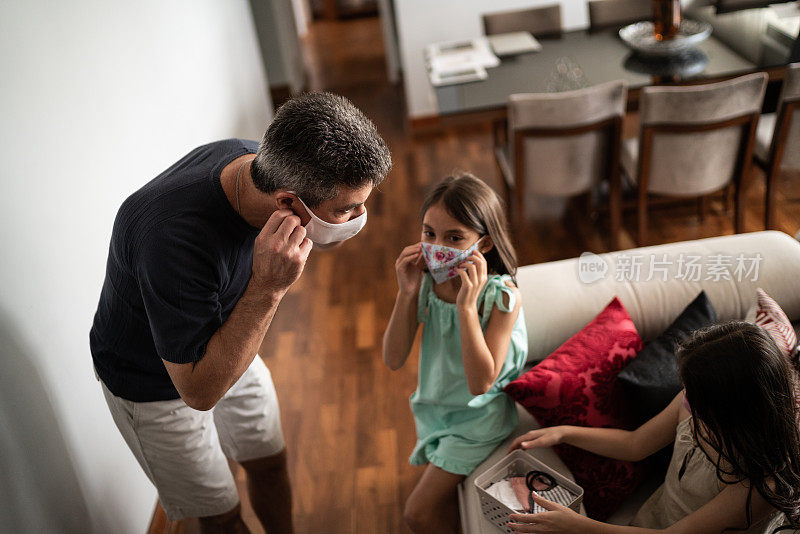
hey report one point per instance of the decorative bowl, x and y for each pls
(641, 38)
(689, 63)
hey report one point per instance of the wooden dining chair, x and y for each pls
(728, 6)
(694, 141)
(561, 145)
(542, 21)
(617, 13)
(778, 140)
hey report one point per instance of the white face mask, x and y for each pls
(324, 233)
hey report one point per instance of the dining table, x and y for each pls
(741, 42)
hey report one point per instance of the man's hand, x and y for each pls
(280, 252)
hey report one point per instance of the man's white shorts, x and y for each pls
(183, 451)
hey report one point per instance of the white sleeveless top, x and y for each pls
(690, 483)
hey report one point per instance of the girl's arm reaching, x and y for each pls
(483, 355)
(403, 325)
(724, 512)
(629, 445)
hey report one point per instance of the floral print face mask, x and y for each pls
(443, 261)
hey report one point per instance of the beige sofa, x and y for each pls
(558, 302)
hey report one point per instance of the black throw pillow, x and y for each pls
(651, 381)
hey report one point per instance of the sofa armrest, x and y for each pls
(472, 520)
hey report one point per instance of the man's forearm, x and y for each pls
(231, 349)
(280, 252)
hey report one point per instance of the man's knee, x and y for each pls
(268, 464)
(230, 521)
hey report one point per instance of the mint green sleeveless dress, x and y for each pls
(456, 431)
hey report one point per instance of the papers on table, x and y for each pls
(467, 74)
(511, 44)
(447, 57)
(465, 61)
(459, 61)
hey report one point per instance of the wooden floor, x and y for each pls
(345, 415)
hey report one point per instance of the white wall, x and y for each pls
(390, 45)
(421, 22)
(96, 98)
(302, 16)
(280, 43)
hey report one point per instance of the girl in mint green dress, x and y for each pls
(458, 283)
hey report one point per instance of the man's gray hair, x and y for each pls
(316, 143)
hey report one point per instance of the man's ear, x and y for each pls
(285, 200)
(486, 245)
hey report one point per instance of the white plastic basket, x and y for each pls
(518, 463)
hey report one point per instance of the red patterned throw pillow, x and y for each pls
(577, 385)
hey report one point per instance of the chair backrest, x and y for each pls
(564, 143)
(727, 6)
(697, 139)
(618, 13)
(540, 22)
(786, 138)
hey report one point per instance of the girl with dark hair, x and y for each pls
(459, 282)
(736, 460)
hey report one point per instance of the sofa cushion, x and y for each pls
(558, 302)
(577, 385)
(651, 380)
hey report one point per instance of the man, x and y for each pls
(199, 260)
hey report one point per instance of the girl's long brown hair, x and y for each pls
(741, 387)
(475, 205)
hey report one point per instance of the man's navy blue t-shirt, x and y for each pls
(180, 259)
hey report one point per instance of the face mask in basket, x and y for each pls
(515, 492)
